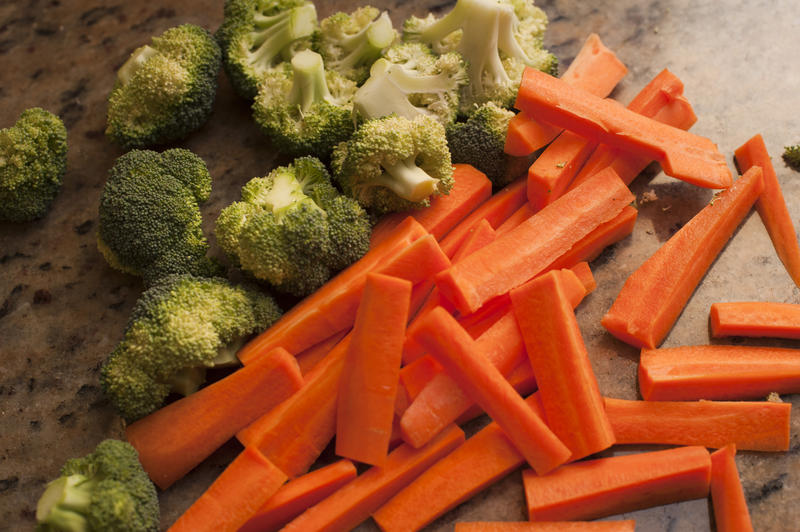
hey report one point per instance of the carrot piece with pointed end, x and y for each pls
(368, 384)
(308, 358)
(245, 485)
(173, 440)
(606, 486)
(682, 155)
(755, 318)
(753, 425)
(727, 496)
(548, 526)
(771, 206)
(654, 295)
(298, 494)
(717, 372)
(358, 499)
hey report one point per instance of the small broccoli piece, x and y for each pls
(105, 491)
(497, 38)
(150, 222)
(180, 326)
(350, 43)
(791, 154)
(412, 81)
(305, 109)
(258, 35)
(33, 159)
(293, 229)
(394, 164)
(166, 89)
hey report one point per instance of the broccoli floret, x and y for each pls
(394, 164)
(105, 491)
(305, 109)
(350, 43)
(791, 154)
(150, 222)
(293, 229)
(166, 89)
(33, 159)
(257, 35)
(497, 38)
(412, 81)
(180, 326)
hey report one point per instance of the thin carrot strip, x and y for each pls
(174, 439)
(717, 372)
(755, 318)
(655, 294)
(309, 358)
(730, 507)
(606, 486)
(771, 205)
(521, 378)
(548, 526)
(551, 172)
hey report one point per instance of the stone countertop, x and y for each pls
(62, 309)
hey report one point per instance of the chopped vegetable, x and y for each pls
(727, 496)
(755, 318)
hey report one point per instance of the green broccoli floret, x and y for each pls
(33, 159)
(166, 89)
(180, 326)
(791, 154)
(350, 43)
(497, 38)
(293, 229)
(105, 491)
(305, 109)
(394, 164)
(258, 35)
(150, 222)
(412, 81)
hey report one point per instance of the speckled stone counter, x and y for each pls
(62, 309)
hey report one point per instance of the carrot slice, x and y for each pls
(753, 425)
(606, 486)
(717, 372)
(358, 499)
(755, 318)
(173, 440)
(682, 155)
(308, 358)
(368, 384)
(527, 250)
(298, 494)
(771, 206)
(548, 526)
(245, 485)
(727, 496)
(654, 295)
(567, 385)
(551, 172)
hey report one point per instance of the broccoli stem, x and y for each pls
(308, 83)
(188, 380)
(64, 503)
(367, 45)
(276, 32)
(134, 62)
(408, 180)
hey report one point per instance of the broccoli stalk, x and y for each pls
(272, 34)
(65, 502)
(366, 46)
(407, 180)
(309, 85)
(137, 59)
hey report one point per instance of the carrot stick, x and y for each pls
(752, 426)
(525, 251)
(771, 206)
(519, 216)
(682, 155)
(471, 188)
(417, 374)
(298, 494)
(368, 384)
(173, 440)
(521, 378)
(654, 295)
(453, 348)
(548, 526)
(308, 358)
(358, 499)
(727, 496)
(551, 173)
(584, 274)
(526, 135)
(606, 486)
(717, 372)
(755, 318)
(245, 485)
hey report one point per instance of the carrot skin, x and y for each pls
(548, 526)
(755, 319)
(730, 507)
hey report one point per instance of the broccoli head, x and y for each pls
(180, 326)
(350, 43)
(305, 109)
(105, 491)
(258, 35)
(791, 154)
(497, 38)
(166, 89)
(150, 222)
(33, 159)
(412, 81)
(293, 229)
(394, 164)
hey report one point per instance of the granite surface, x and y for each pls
(62, 309)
